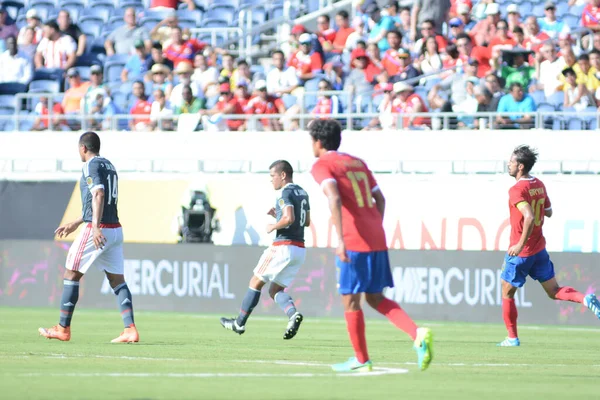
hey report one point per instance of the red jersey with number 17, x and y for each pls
(532, 191)
(362, 224)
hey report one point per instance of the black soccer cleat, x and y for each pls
(232, 325)
(293, 326)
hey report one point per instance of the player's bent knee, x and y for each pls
(72, 275)
(373, 299)
(115, 280)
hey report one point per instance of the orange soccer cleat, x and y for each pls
(56, 332)
(129, 335)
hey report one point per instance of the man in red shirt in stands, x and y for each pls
(466, 50)
(140, 107)
(306, 61)
(263, 103)
(227, 104)
(182, 50)
(172, 4)
(344, 30)
(591, 15)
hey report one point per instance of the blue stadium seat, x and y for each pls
(112, 25)
(221, 12)
(7, 101)
(214, 23)
(538, 97)
(91, 26)
(156, 14)
(575, 124)
(149, 22)
(74, 8)
(525, 8)
(44, 9)
(576, 9)
(557, 99)
(539, 10)
(12, 88)
(195, 15)
(120, 99)
(312, 85)
(43, 85)
(562, 8)
(572, 21)
(187, 24)
(112, 70)
(13, 8)
(99, 13)
(588, 119)
(235, 4)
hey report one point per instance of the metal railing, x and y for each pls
(229, 35)
(350, 121)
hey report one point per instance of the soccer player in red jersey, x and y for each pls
(357, 206)
(528, 205)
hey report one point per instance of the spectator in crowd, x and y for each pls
(457, 26)
(96, 85)
(406, 69)
(163, 31)
(516, 69)
(137, 64)
(6, 28)
(464, 13)
(549, 24)
(56, 50)
(141, 107)
(26, 45)
(227, 105)
(516, 101)
(374, 55)
(67, 27)
(102, 110)
(335, 74)
(485, 103)
(159, 79)
(407, 102)
(392, 10)
(385, 120)
(362, 75)
(306, 61)
(204, 75)
(184, 71)
(534, 38)
(227, 65)
(577, 96)
(390, 60)
(242, 94)
(451, 93)
(595, 61)
(157, 57)
(591, 15)
(281, 80)
(492, 83)
(467, 51)
(428, 29)
(122, 39)
(342, 20)
(15, 66)
(35, 23)
(485, 29)
(72, 100)
(42, 122)
(513, 17)
(325, 33)
(240, 75)
(430, 59)
(172, 4)
(359, 34)
(381, 25)
(432, 10)
(586, 74)
(190, 104)
(181, 50)
(519, 36)
(547, 71)
(161, 112)
(265, 104)
(502, 41)
(327, 104)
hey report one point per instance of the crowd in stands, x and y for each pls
(394, 59)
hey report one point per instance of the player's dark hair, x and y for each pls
(326, 131)
(283, 166)
(91, 141)
(526, 156)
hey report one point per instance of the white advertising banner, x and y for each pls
(432, 212)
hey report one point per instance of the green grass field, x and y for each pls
(187, 356)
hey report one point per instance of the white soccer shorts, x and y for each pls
(83, 254)
(280, 264)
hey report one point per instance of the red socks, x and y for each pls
(398, 317)
(509, 312)
(355, 322)
(567, 293)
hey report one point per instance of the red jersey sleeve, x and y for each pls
(316, 62)
(517, 194)
(321, 172)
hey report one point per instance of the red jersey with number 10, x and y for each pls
(532, 191)
(362, 224)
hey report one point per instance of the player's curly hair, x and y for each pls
(326, 131)
(526, 156)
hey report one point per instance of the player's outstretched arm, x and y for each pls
(66, 229)
(528, 219)
(335, 206)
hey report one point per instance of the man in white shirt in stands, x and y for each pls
(16, 66)
(281, 79)
(56, 50)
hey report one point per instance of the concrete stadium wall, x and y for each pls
(431, 285)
